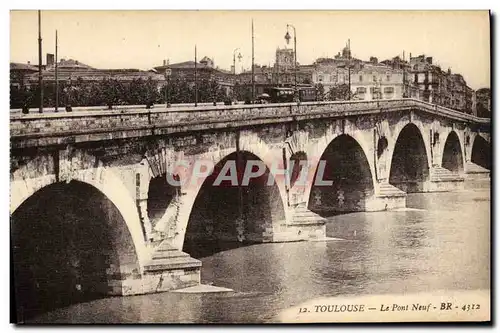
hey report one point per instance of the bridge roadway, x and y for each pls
(95, 124)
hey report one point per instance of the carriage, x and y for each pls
(286, 94)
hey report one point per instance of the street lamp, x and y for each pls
(234, 59)
(168, 72)
(68, 90)
(287, 38)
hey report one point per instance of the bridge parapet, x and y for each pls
(136, 122)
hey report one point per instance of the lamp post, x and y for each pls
(40, 78)
(349, 67)
(168, 72)
(195, 78)
(68, 90)
(287, 38)
(57, 81)
(234, 59)
(253, 67)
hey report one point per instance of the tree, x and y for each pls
(320, 92)
(338, 93)
(112, 92)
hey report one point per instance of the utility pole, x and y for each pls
(40, 79)
(195, 78)
(253, 67)
(287, 38)
(278, 69)
(57, 81)
(349, 67)
(405, 88)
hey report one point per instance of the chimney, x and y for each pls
(164, 62)
(50, 59)
(29, 62)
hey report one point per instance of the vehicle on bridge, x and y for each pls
(286, 94)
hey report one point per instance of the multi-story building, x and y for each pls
(429, 78)
(205, 70)
(283, 73)
(441, 87)
(483, 103)
(377, 81)
(367, 80)
(73, 71)
(334, 72)
(19, 73)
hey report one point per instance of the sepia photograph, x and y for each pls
(250, 166)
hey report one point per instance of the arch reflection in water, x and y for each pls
(69, 243)
(226, 216)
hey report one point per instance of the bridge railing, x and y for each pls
(92, 120)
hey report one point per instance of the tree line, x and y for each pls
(112, 92)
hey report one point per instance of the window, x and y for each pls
(389, 90)
(320, 77)
(360, 90)
(334, 78)
(374, 78)
(361, 78)
(388, 77)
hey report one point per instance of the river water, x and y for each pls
(441, 242)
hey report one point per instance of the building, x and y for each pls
(205, 70)
(19, 73)
(283, 71)
(367, 80)
(483, 103)
(70, 71)
(441, 87)
(377, 81)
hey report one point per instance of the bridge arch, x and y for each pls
(107, 183)
(72, 243)
(481, 152)
(226, 214)
(349, 172)
(453, 156)
(249, 143)
(410, 161)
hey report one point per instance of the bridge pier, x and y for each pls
(303, 225)
(443, 180)
(387, 197)
(476, 176)
(167, 269)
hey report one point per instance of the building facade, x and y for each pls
(205, 70)
(367, 80)
(441, 87)
(70, 71)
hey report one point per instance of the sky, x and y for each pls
(459, 40)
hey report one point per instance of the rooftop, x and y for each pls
(20, 66)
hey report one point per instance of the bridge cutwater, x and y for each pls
(90, 187)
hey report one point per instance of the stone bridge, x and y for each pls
(90, 190)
